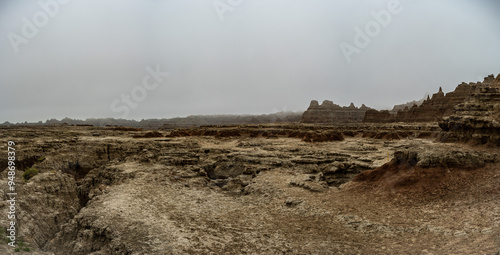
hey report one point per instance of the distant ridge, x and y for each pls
(398, 107)
(433, 108)
(189, 121)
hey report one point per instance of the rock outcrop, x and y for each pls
(307, 134)
(433, 108)
(330, 113)
(399, 107)
(477, 119)
(312, 133)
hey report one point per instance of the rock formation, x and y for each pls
(399, 107)
(330, 113)
(477, 119)
(433, 108)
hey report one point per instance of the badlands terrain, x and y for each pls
(252, 189)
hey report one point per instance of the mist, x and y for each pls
(158, 59)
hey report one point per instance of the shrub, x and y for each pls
(29, 172)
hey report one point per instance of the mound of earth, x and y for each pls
(426, 171)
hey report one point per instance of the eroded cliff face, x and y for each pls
(330, 113)
(433, 108)
(477, 119)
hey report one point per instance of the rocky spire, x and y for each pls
(496, 81)
(489, 79)
(327, 103)
(314, 103)
(438, 95)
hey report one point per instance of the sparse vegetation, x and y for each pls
(29, 173)
(23, 246)
(4, 238)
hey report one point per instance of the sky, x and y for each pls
(139, 59)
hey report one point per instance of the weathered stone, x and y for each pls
(330, 113)
(290, 202)
(432, 109)
(477, 119)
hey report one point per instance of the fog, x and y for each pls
(140, 59)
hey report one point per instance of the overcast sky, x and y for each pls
(86, 58)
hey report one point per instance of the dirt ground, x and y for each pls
(204, 195)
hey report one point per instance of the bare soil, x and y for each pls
(244, 195)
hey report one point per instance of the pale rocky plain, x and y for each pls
(428, 187)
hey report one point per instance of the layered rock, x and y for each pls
(374, 116)
(399, 107)
(311, 133)
(330, 113)
(433, 108)
(477, 119)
